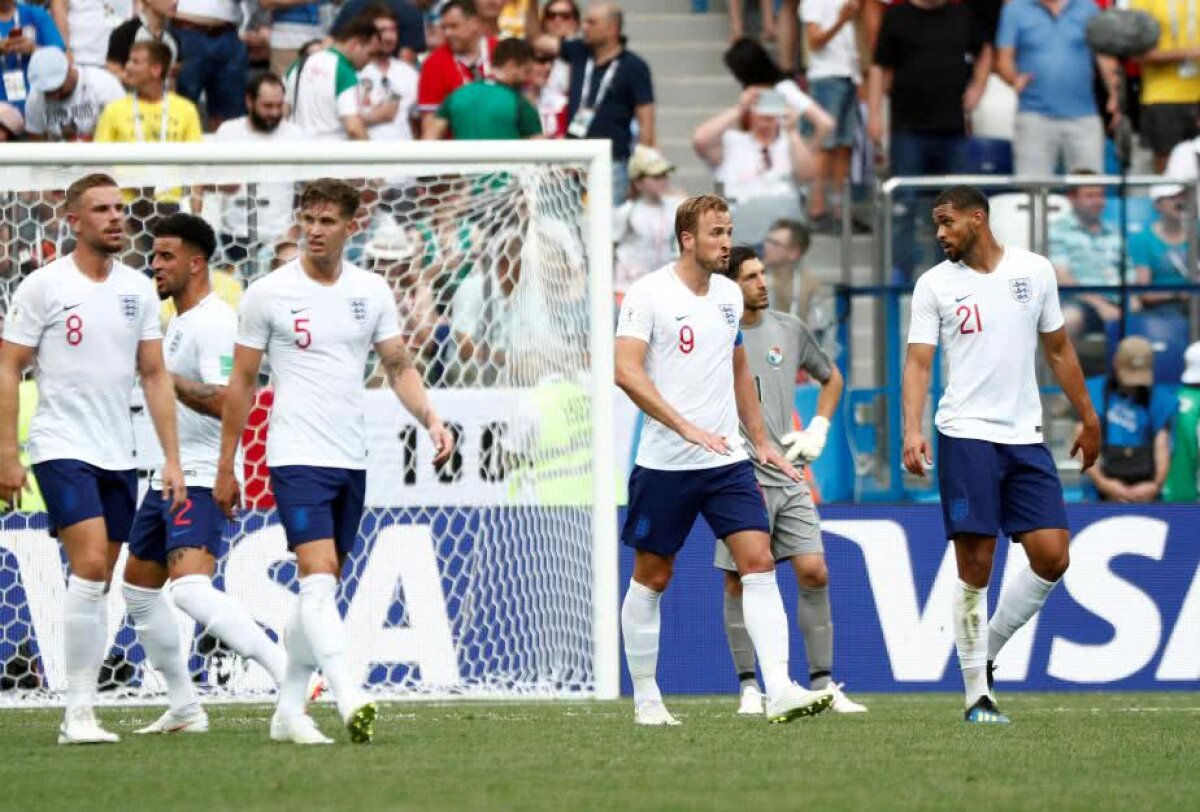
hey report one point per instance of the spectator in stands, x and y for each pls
(1042, 53)
(247, 225)
(481, 312)
(932, 60)
(410, 24)
(150, 113)
(464, 57)
(833, 77)
(1183, 476)
(86, 26)
(149, 24)
(560, 19)
(644, 225)
(322, 91)
(256, 33)
(1135, 423)
(23, 29)
(1159, 253)
(214, 57)
(770, 29)
(285, 252)
(610, 89)
(791, 289)
(492, 108)
(756, 151)
(65, 100)
(293, 23)
(1086, 251)
(489, 17)
(388, 86)
(1184, 163)
(1170, 78)
(12, 125)
(547, 97)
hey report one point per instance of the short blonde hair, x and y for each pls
(687, 216)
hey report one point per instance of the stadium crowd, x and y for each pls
(908, 87)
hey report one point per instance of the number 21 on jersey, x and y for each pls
(968, 319)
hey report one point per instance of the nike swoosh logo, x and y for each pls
(298, 310)
(71, 307)
(681, 318)
(958, 299)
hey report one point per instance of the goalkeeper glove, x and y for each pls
(806, 445)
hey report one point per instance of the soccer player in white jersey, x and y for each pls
(186, 544)
(679, 358)
(91, 324)
(778, 345)
(990, 306)
(317, 319)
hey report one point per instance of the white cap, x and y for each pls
(48, 68)
(1191, 365)
(390, 244)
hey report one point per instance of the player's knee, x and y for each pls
(755, 562)
(813, 574)
(658, 580)
(1052, 566)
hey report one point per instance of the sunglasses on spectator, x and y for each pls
(559, 14)
(544, 59)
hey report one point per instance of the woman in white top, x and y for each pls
(755, 149)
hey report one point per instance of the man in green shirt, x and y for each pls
(1181, 482)
(492, 108)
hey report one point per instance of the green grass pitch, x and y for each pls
(1089, 752)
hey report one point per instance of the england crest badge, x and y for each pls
(1021, 289)
(130, 307)
(358, 309)
(730, 314)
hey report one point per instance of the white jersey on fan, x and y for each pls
(377, 85)
(690, 361)
(989, 325)
(317, 338)
(86, 335)
(199, 346)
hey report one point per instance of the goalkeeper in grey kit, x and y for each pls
(778, 345)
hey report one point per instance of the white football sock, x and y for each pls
(158, 633)
(327, 639)
(85, 631)
(293, 691)
(767, 623)
(640, 622)
(1021, 601)
(970, 638)
(226, 619)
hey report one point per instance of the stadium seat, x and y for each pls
(989, 156)
(1010, 216)
(1140, 215)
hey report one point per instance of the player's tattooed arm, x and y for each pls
(206, 398)
(406, 382)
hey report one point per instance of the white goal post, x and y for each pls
(495, 576)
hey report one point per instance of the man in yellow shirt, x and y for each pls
(1170, 77)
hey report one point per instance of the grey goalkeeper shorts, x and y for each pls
(795, 526)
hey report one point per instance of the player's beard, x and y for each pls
(714, 264)
(955, 253)
(101, 245)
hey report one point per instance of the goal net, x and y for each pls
(493, 575)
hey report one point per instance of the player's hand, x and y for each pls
(713, 442)
(174, 486)
(443, 441)
(806, 445)
(226, 493)
(12, 482)
(769, 456)
(916, 453)
(1087, 440)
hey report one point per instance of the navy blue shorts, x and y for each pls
(988, 487)
(75, 491)
(319, 503)
(663, 505)
(157, 532)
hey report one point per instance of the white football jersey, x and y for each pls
(690, 361)
(989, 325)
(86, 335)
(198, 346)
(317, 338)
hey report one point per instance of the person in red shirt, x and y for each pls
(464, 57)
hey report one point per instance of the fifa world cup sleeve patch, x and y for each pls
(737, 341)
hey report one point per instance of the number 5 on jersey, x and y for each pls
(303, 334)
